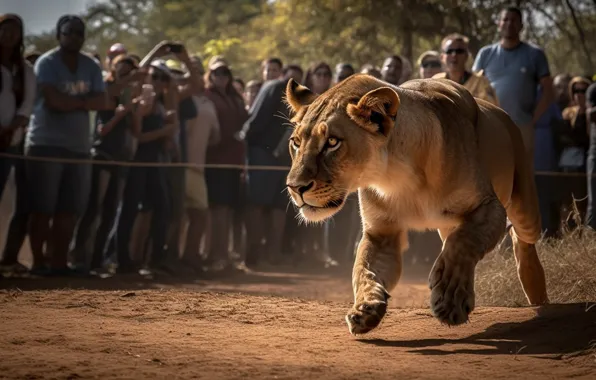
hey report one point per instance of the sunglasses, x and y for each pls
(160, 77)
(579, 90)
(431, 64)
(221, 73)
(456, 51)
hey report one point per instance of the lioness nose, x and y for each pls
(301, 189)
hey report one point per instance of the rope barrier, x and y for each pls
(143, 164)
(204, 166)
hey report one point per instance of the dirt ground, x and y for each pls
(273, 326)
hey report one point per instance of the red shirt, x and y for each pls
(231, 115)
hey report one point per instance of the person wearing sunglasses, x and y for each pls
(224, 185)
(454, 56)
(70, 85)
(155, 123)
(430, 64)
(574, 138)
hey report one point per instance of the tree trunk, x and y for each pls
(582, 37)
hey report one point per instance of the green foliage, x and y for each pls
(355, 31)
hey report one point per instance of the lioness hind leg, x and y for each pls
(529, 270)
(451, 279)
(377, 269)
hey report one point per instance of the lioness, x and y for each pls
(425, 155)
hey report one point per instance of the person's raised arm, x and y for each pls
(195, 83)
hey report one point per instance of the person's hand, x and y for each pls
(123, 109)
(240, 135)
(144, 105)
(183, 55)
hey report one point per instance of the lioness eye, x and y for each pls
(332, 144)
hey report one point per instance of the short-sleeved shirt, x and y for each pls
(515, 75)
(68, 130)
(202, 131)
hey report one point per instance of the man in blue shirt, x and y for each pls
(515, 70)
(69, 85)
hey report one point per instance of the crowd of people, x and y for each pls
(145, 164)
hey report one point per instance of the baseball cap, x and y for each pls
(428, 54)
(160, 65)
(216, 62)
(177, 68)
(117, 49)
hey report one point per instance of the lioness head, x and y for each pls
(339, 141)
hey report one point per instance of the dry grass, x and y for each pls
(569, 264)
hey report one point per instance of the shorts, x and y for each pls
(266, 187)
(57, 187)
(196, 190)
(223, 187)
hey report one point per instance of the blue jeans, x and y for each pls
(146, 185)
(106, 183)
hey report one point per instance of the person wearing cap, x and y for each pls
(154, 124)
(114, 51)
(202, 132)
(183, 75)
(429, 64)
(70, 85)
(454, 56)
(224, 184)
(17, 96)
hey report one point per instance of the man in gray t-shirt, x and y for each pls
(69, 86)
(515, 69)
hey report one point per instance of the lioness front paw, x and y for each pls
(366, 315)
(452, 296)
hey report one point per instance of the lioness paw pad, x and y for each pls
(452, 292)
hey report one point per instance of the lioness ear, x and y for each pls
(298, 96)
(376, 110)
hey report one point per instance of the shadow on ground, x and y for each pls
(557, 330)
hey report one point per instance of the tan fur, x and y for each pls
(425, 155)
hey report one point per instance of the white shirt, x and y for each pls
(8, 102)
(201, 131)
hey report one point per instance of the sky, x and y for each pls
(42, 15)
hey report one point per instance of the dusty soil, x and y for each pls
(273, 326)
